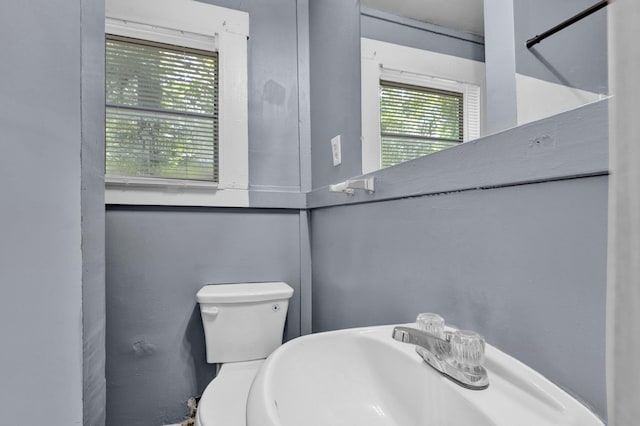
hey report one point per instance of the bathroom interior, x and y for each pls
(505, 234)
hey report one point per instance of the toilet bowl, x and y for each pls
(243, 323)
(224, 400)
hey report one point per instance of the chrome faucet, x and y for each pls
(456, 355)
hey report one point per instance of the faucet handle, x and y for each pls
(467, 348)
(431, 323)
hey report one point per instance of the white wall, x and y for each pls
(538, 99)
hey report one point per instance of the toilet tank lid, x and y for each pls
(244, 292)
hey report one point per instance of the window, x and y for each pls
(176, 125)
(161, 110)
(415, 102)
(416, 121)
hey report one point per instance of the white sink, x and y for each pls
(362, 377)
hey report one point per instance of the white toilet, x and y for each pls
(243, 324)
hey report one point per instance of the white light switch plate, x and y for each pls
(336, 150)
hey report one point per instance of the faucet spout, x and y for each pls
(422, 339)
(439, 354)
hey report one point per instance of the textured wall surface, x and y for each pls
(40, 245)
(335, 28)
(334, 51)
(500, 110)
(157, 260)
(491, 259)
(487, 259)
(273, 92)
(523, 265)
(93, 234)
(154, 365)
(623, 292)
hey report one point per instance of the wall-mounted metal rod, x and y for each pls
(565, 24)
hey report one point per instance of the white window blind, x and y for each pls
(161, 110)
(415, 121)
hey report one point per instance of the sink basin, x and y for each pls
(362, 377)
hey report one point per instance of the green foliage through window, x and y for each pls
(161, 110)
(416, 121)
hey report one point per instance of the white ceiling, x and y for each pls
(462, 15)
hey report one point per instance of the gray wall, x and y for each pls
(334, 49)
(273, 93)
(575, 57)
(335, 28)
(41, 264)
(500, 110)
(155, 342)
(93, 234)
(523, 265)
(157, 260)
(506, 235)
(52, 206)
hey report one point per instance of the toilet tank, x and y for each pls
(243, 321)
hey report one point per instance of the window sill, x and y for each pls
(145, 182)
(171, 192)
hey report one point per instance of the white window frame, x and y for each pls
(202, 26)
(402, 64)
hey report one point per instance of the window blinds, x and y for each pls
(161, 110)
(415, 121)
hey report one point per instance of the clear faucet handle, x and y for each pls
(431, 323)
(467, 348)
